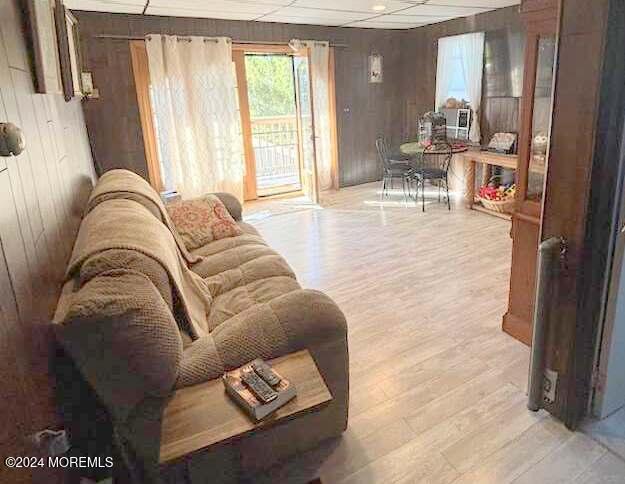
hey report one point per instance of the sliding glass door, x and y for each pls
(273, 123)
(275, 100)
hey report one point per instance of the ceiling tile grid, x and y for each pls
(376, 14)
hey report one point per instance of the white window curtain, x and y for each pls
(320, 72)
(197, 121)
(464, 53)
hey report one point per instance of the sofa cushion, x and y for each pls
(249, 236)
(246, 296)
(241, 272)
(202, 220)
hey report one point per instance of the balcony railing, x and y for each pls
(276, 150)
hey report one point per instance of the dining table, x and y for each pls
(417, 148)
(420, 152)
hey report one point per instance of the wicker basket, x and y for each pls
(501, 206)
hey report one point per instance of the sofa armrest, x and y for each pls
(302, 319)
(309, 318)
(123, 339)
(232, 205)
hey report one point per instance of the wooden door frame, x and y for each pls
(141, 73)
(602, 221)
(614, 242)
(568, 208)
(249, 182)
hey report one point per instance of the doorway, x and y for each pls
(279, 125)
(273, 110)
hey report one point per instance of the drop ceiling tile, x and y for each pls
(354, 5)
(399, 14)
(412, 19)
(314, 16)
(374, 24)
(476, 3)
(128, 6)
(302, 20)
(200, 13)
(442, 10)
(215, 6)
(281, 3)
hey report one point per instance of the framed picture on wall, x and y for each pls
(69, 55)
(43, 38)
(375, 68)
(73, 42)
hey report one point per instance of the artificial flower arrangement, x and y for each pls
(500, 193)
(498, 198)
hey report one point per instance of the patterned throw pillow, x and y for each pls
(202, 220)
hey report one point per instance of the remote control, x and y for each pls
(258, 386)
(265, 372)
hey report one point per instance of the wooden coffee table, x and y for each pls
(202, 416)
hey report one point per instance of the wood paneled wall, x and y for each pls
(42, 194)
(420, 49)
(363, 110)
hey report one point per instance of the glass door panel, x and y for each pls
(541, 117)
(273, 122)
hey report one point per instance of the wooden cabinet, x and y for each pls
(540, 18)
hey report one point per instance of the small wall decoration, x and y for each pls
(375, 68)
(43, 36)
(69, 51)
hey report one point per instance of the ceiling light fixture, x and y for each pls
(378, 8)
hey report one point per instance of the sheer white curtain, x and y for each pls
(320, 73)
(464, 52)
(193, 91)
(445, 65)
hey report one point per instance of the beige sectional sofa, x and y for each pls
(127, 323)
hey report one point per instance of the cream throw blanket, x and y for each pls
(121, 184)
(126, 224)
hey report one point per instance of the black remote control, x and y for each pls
(258, 386)
(265, 372)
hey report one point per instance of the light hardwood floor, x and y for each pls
(437, 389)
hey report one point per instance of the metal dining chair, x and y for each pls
(394, 166)
(437, 172)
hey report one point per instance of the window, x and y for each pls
(457, 86)
(460, 61)
(459, 70)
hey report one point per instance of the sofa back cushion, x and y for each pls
(152, 207)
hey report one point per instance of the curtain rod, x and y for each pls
(244, 42)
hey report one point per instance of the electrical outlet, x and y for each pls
(549, 385)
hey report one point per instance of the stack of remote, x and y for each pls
(258, 388)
